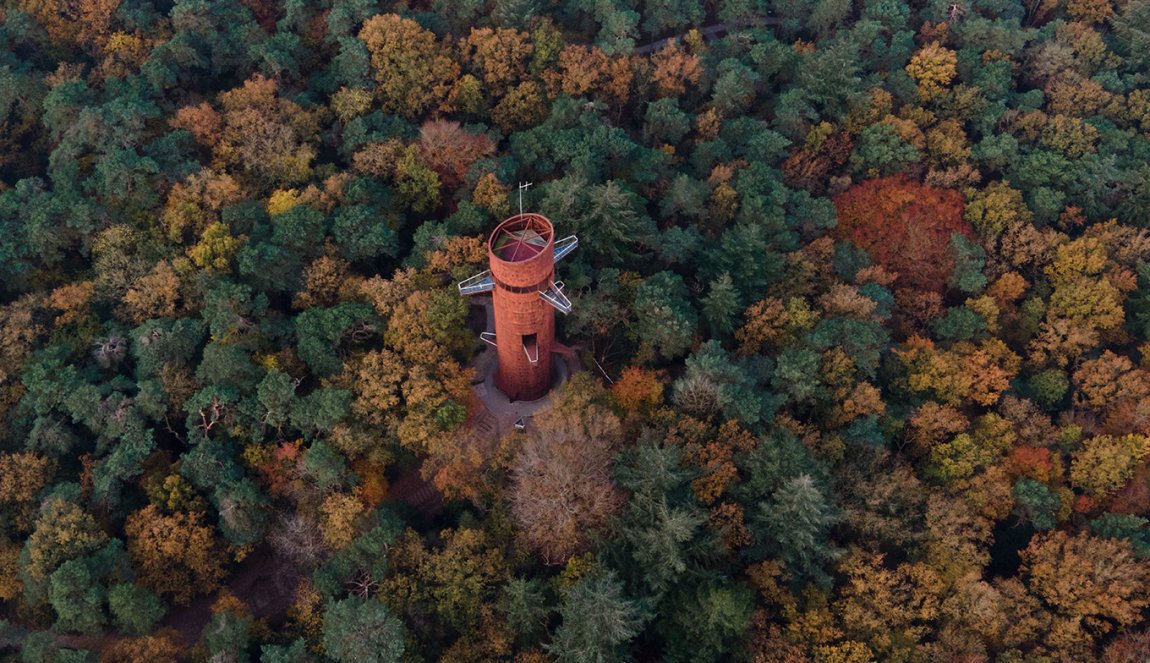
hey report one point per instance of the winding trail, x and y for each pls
(708, 32)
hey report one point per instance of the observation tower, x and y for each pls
(522, 253)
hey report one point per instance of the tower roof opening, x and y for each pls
(521, 238)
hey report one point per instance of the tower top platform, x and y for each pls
(521, 237)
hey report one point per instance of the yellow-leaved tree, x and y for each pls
(933, 67)
(413, 72)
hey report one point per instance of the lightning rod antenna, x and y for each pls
(522, 187)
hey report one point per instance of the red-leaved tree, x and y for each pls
(905, 226)
(449, 149)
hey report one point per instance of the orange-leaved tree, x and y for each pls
(906, 227)
(1091, 584)
(175, 555)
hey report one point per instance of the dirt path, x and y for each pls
(412, 488)
(708, 32)
(264, 581)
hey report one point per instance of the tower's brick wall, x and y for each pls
(520, 312)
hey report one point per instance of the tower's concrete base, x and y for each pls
(505, 411)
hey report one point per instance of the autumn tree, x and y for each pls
(933, 67)
(416, 387)
(1086, 304)
(766, 323)
(715, 459)
(413, 73)
(22, 477)
(957, 539)
(266, 135)
(905, 227)
(1107, 379)
(966, 372)
(1105, 463)
(995, 208)
(561, 480)
(1091, 584)
(587, 69)
(961, 457)
(890, 609)
(498, 56)
(63, 532)
(453, 582)
(932, 423)
(450, 150)
(638, 389)
(674, 70)
(340, 512)
(196, 203)
(175, 555)
(154, 295)
(86, 24)
(163, 647)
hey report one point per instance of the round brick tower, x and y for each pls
(522, 256)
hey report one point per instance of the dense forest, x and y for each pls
(862, 300)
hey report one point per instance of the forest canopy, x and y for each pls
(861, 305)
